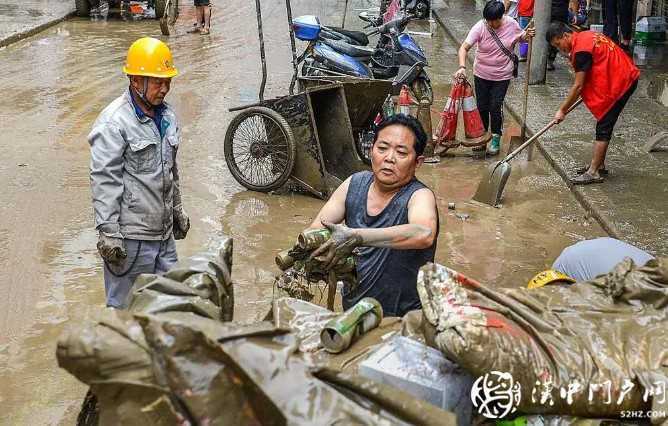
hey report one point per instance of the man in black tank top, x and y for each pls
(390, 215)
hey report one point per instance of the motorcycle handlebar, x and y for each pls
(386, 27)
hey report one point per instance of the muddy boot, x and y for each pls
(494, 145)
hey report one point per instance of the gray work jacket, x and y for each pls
(133, 173)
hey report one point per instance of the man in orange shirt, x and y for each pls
(605, 78)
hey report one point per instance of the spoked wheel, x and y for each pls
(422, 89)
(260, 149)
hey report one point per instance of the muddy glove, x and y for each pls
(181, 223)
(111, 249)
(339, 246)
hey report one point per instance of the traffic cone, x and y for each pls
(404, 101)
(378, 119)
(446, 130)
(473, 127)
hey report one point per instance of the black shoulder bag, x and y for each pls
(513, 57)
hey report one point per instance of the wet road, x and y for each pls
(55, 84)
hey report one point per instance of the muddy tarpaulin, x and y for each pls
(182, 367)
(591, 349)
(201, 284)
(172, 363)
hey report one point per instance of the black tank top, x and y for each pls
(387, 275)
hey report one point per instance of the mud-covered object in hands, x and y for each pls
(201, 284)
(612, 328)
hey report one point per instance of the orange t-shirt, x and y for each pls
(611, 74)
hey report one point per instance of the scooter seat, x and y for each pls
(358, 36)
(349, 49)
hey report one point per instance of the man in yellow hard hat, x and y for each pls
(134, 176)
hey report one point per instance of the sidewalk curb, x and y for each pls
(608, 227)
(32, 31)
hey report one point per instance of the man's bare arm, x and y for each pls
(419, 233)
(334, 211)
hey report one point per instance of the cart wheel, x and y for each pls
(422, 89)
(260, 149)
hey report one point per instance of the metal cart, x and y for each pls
(312, 137)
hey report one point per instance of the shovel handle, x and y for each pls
(537, 135)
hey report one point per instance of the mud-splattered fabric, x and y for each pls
(608, 335)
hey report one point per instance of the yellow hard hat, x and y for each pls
(547, 277)
(150, 57)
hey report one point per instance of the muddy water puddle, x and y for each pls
(55, 84)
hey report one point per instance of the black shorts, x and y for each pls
(201, 2)
(606, 125)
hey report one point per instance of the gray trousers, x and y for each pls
(152, 257)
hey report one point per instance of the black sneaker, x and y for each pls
(550, 66)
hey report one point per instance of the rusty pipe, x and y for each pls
(258, 10)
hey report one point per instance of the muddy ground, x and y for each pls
(54, 85)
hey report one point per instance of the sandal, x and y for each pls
(195, 30)
(586, 179)
(584, 169)
(204, 31)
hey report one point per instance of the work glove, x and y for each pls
(181, 223)
(339, 247)
(111, 249)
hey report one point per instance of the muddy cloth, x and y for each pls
(185, 367)
(385, 274)
(171, 359)
(201, 284)
(608, 335)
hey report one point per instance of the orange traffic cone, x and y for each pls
(404, 101)
(473, 127)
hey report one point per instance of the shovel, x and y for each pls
(517, 140)
(492, 184)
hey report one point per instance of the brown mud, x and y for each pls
(55, 83)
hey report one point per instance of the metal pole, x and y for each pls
(345, 12)
(292, 45)
(262, 57)
(331, 290)
(526, 102)
(541, 16)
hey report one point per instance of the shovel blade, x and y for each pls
(491, 186)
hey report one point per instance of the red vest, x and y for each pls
(525, 8)
(611, 74)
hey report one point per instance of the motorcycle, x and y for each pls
(419, 8)
(337, 52)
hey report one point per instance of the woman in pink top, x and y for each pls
(493, 66)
